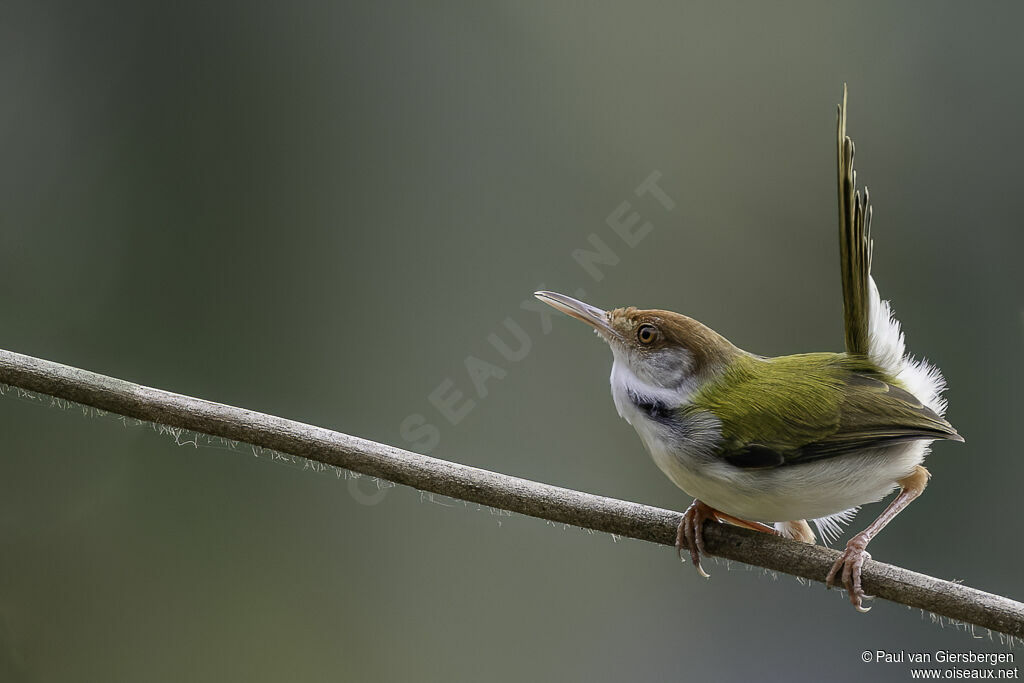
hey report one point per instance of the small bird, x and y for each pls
(782, 440)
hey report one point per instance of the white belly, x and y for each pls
(791, 492)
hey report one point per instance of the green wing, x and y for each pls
(795, 409)
(854, 242)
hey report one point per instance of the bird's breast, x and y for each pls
(678, 437)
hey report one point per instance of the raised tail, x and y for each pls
(871, 329)
(854, 243)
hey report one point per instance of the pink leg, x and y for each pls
(853, 558)
(691, 530)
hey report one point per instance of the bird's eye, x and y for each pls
(646, 334)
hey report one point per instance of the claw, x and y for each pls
(691, 533)
(852, 562)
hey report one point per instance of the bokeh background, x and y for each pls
(320, 210)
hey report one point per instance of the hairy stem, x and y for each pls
(952, 600)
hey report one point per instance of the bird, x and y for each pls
(768, 443)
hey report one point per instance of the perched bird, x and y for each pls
(787, 439)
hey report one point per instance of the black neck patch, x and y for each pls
(659, 411)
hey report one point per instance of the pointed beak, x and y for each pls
(591, 315)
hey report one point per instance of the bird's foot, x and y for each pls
(851, 562)
(691, 533)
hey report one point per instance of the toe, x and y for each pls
(691, 541)
(690, 530)
(695, 553)
(848, 574)
(830, 580)
(851, 561)
(698, 536)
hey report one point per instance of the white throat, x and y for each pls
(627, 388)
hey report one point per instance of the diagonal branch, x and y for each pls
(532, 498)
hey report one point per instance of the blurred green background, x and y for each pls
(320, 211)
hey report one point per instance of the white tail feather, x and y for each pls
(887, 350)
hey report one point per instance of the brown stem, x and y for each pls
(952, 600)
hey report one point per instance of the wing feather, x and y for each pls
(869, 411)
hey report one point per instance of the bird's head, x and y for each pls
(661, 348)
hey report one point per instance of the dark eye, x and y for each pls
(646, 334)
